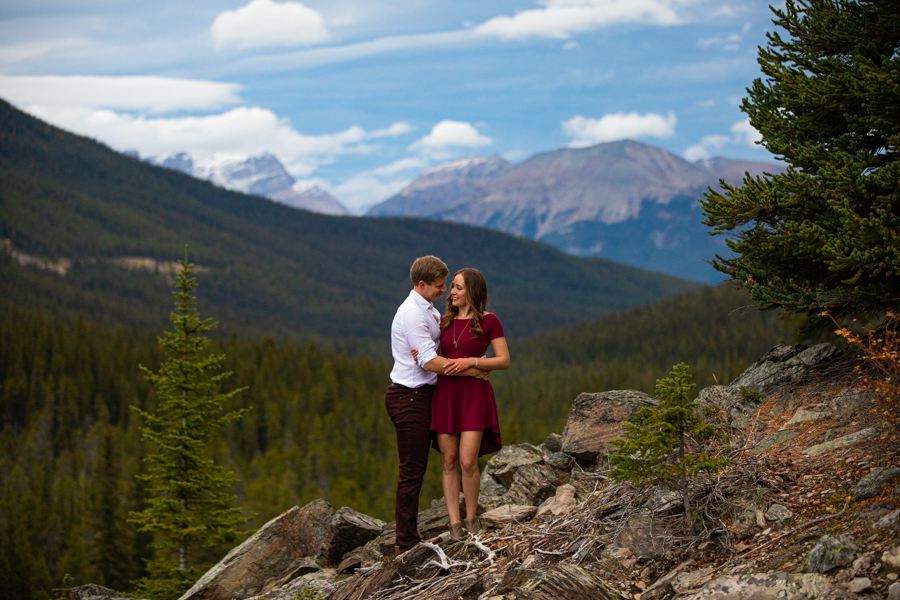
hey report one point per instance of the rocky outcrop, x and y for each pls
(502, 468)
(93, 591)
(596, 419)
(535, 482)
(872, 484)
(785, 366)
(348, 529)
(831, 551)
(276, 553)
(770, 586)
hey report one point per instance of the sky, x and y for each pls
(359, 96)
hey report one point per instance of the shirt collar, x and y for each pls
(421, 302)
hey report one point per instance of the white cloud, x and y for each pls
(745, 133)
(742, 133)
(364, 190)
(447, 134)
(403, 164)
(399, 128)
(702, 150)
(244, 130)
(142, 93)
(586, 131)
(732, 42)
(562, 18)
(264, 23)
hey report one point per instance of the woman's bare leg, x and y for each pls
(469, 444)
(449, 445)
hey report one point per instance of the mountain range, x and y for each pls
(94, 232)
(261, 175)
(627, 201)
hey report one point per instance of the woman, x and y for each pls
(463, 411)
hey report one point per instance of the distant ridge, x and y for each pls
(627, 201)
(267, 270)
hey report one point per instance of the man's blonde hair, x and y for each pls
(428, 269)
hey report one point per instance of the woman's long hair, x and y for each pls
(476, 298)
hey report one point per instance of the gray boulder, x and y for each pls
(314, 585)
(535, 482)
(890, 521)
(596, 419)
(871, 485)
(92, 591)
(349, 529)
(268, 558)
(563, 502)
(503, 466)
(508, 513)
(829, 552)
(770, 586)
(894, 591)
(783, 366)
(553, 443)
(851, 439)
(779, 513)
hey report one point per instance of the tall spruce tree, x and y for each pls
(825, 234)
(190, 504)
(661, 443)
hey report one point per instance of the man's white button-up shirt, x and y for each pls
(416, 325)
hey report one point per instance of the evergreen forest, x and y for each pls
(316, 425)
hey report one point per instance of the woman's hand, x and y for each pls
(455, 366)
(415, 354)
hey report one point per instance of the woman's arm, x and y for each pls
(499, 362)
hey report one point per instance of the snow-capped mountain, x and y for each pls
(626, 201)
(261, 175)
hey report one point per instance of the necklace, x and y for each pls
(455, 338)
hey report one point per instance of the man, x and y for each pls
(408, 399)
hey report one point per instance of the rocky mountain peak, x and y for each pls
(262, 175)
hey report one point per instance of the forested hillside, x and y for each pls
(317, 425)
(115, 225)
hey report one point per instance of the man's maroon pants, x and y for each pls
(410, 411)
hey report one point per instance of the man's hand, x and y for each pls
(455, 366)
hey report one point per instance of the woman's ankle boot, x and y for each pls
(473, 525)
(457, 531)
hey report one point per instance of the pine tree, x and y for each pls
(823, 235)
(657, 449)
(190, 504)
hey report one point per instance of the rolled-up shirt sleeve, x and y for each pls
(415, 328)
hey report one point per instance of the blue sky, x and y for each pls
(360, 96)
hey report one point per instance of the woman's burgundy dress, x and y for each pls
(466, 403)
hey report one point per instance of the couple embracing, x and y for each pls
(440, 394)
